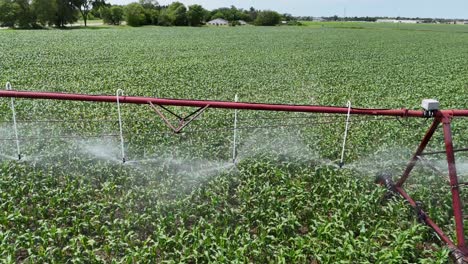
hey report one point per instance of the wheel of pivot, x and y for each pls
(385, 179)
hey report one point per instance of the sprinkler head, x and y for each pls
(341, 164)
(124, 160)
(19, 156)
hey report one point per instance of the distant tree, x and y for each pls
(105, 15)
(100, 3)
(244, 16)
(206, 15)
(252, 14)
(164, 19)
(195, 15)
(224, 13)
(117, 14)
(45, 11)
(97, 5)
(112, 15)
(234, 13)
(231, 14)
(177, 14)
(267, 18)
(218, 14)
(287, 17)
(84, 6)
(25, 17)
(66, 13)
(234, 23)
(149, 4)
(151, 16)
(134, 15)
(9, 11)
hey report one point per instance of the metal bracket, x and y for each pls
(430, 114)
(183, 121)
(420, 213)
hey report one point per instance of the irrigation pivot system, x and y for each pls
(430, 109)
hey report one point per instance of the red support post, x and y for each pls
(457, 206)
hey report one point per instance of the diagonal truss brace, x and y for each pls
(183, 121)
(445, 120)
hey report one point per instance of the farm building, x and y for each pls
(398, 21)
(385, 21)
(218, 22)
(242, 23)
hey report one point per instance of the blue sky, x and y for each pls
(405, 8)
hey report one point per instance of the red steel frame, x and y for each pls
(443, 116)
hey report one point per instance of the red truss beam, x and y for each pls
(460, 247)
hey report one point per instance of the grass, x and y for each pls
(391, 26)
(286, 202)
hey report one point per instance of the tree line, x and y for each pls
(60, 13)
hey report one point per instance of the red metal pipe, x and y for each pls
(420, 149)
(457, 207)
(454, 112)
(212, 104)
(224, 104)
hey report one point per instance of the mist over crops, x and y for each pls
(180, 198)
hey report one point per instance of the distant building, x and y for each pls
(242, 22)
(218, 22)
(318, 19)
(398, 21)
(409, 21)
(386, 21)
